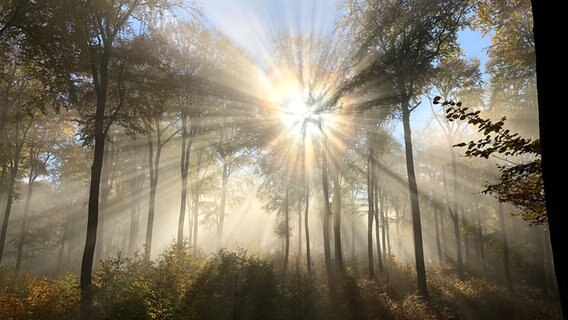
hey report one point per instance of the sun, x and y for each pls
(293, 110)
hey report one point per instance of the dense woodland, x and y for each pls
(153, 168)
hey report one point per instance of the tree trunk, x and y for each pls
(414, 204)
(100, 248)
(480, 241)
(154, 166)
(371, 213)
(326, 220)
(377, 222)
(101, 86)
(220, 226)
(505, 246)
(455, 218)
(337, 219)
(306, 225)
(195, 224)
(8, 209)
(437, 230)
(549, 122)
(383, 223)
(299, 236)
(135, 190)
(23, 227)
(287, 226)
(184, 170)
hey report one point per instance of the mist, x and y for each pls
(284, 159)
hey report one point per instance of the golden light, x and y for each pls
(293, 109)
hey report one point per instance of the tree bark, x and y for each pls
(154, 167)
(306, 222)
(437, 230)
(549, 121)
(414, 204)
(337, 218)
(23, 227)
(101, 85)
(370, 214)
(221, 225)
(184, 170)
(326, 220)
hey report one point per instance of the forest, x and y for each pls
(322, 159)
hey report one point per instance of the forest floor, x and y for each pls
(235, 285)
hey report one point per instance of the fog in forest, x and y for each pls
(219, 159)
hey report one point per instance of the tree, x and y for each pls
(406, 39)
(548, 119)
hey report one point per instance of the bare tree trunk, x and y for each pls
(287, 226)
(480, 241)
(337, 219)
(23, 228)
(371, 213)
(14, 167)
(383, 223)
(414, 204)
(326, 220)
(184, 170)
(299, 236)
(104, 198)
(195, 223)
(505, 245)
(377, 222)
(101, 86)
(306, 223)
(455, 218)
(437, 230)
(154, 167)
(221, 224)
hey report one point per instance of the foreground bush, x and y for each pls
(234, 285)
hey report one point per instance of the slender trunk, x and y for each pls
(134, 190)
(480, 240)
(306, 225)
(457, 235)
(505, 246)
(326, 220)
(415, 207)
(287, 226)
(437, 230)
(387, 223)
(23, 230)
(220, 226)
(443, 238)
(455, 218)
(195, 223)
(377, 222)
(337, 219)
(184, 169)
(154, 166)
(371, 214)
(299, 236)
(94, 190)
(8, 210)
(62, 245)
(104, 198)
(383, 223)
(13, 171)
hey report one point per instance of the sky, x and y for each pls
(252, 23)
